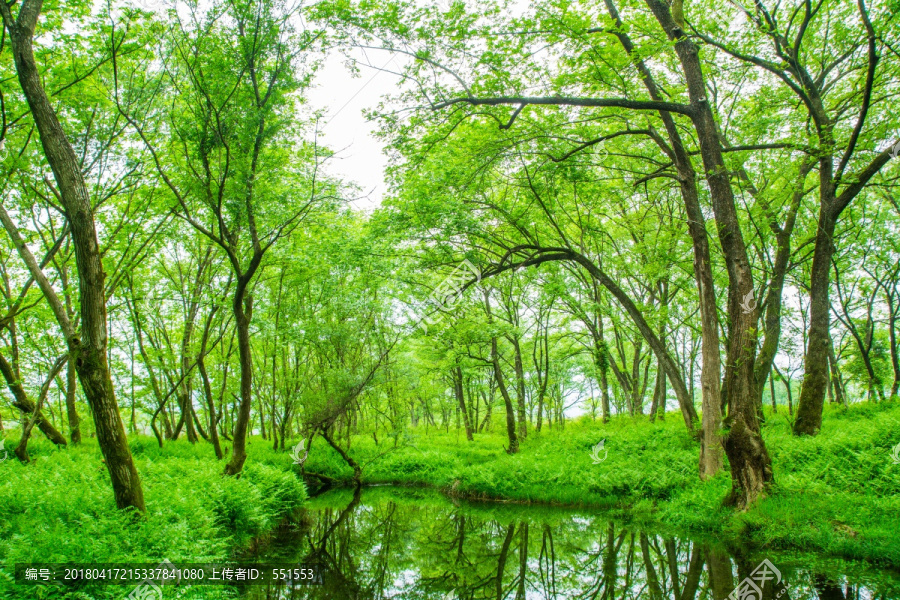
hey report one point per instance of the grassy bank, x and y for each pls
(60, 508)
(837, 493)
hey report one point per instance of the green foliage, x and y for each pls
(838, 492)
(59, 509)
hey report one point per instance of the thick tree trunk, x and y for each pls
(89, 352)
(751, 467)
(721, 580)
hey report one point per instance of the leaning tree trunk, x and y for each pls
(24, 404)
(211, 408)
(21, 450)
(89, 352)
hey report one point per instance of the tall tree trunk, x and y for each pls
(523, 560)
(243, 308)
(837, 383)
(721, 580)
(520, 388)
(710, 441)
(772, 391)
(815, 363)
(751, 466)
(89, 353)
(461, 400)
(501, 560)
(507, 401)
(207, 393)
(654, 406)
(71, 375)
(541, 360)
(601, 361)
(501, 384)
(772, 321)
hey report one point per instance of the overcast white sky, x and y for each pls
(360, 157)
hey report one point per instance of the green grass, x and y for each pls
(837, 493)
(60, 508)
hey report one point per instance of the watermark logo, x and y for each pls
(6, 454)
(450, 291)
(895, 453)
(596, 450)
(751, 587)
(749, 302)
(895, 150)
(149, 589)
(301, 447)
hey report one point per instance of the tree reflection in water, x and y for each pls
(412, 544)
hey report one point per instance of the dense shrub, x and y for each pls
(60, 508)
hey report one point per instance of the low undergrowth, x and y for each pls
(837, 493)
(60, 509)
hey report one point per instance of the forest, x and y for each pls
(624, 322)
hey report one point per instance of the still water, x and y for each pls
(411, 543)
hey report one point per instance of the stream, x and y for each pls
(415, 543)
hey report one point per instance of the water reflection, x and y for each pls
(405, 543)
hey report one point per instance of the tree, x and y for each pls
(88, 351)
(237, 68)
